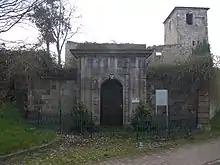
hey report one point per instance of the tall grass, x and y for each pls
(16, 134)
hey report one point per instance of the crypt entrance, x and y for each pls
(111, 103)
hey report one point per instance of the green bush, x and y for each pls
(9, 111)
(215, 121)
(142, 117)
(82, 119)
(80, 110)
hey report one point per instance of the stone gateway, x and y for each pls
(110, 77)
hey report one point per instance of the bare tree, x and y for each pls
(13, 11)
(64, 31)
(53, 20)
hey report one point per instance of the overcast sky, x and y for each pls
(129, 21)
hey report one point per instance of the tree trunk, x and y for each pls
(48, 47)
(59, 59)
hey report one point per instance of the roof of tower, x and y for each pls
(179, 8)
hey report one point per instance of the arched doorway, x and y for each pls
(111, 113)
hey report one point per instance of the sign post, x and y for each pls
(162, 100)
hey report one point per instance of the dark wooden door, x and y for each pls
(111, 103)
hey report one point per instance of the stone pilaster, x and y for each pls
(126, 95)
(126, 92)
(203, 108)
(95, 100)
(144, 81)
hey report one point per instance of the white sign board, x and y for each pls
(161, 97)
(135, 100)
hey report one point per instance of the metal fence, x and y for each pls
(158, 126)
(49, 120)
(68, 124)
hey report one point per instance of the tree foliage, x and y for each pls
(53, 20)
(201, 49)
(24, 62)
(198, 66)
(142, 116)
(82, 119)
(18, 65)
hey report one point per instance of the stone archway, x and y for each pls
(111, 99)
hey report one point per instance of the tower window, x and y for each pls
(189, 18)
(193, 43)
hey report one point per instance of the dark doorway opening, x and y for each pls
(111, 107)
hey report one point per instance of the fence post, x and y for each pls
(38, 115)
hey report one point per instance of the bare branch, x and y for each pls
(13, 11)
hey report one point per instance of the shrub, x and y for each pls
(215, 121)
(142, 117)
(82, 119)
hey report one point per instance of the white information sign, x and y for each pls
(161, 97)
(162, 100)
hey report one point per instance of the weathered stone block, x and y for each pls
(203, 115)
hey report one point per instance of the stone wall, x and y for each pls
(43, 96)
(177, 98)
(171, 54)
(70, 60)
(196, 32)
(182, 99)
(177, 31)
(203, 108)
(171, 31)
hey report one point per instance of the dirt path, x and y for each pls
(191, 154)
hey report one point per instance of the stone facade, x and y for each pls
(43, 93)
(203, 108)
(180, 37)
(43, 98)
(124, 62)
(70, 60)
(182, 99)
(171, 54)
(177, 31)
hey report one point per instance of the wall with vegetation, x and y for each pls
(188, 86)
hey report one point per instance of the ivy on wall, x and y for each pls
(197, 68)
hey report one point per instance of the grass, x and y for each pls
(110, 143)
(93, 150)
(15, 134)
(102, 147)
(215, 122)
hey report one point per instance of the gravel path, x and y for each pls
(191, 154)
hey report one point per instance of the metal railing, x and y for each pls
(158, 126)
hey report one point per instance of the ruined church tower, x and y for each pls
(186, 26)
